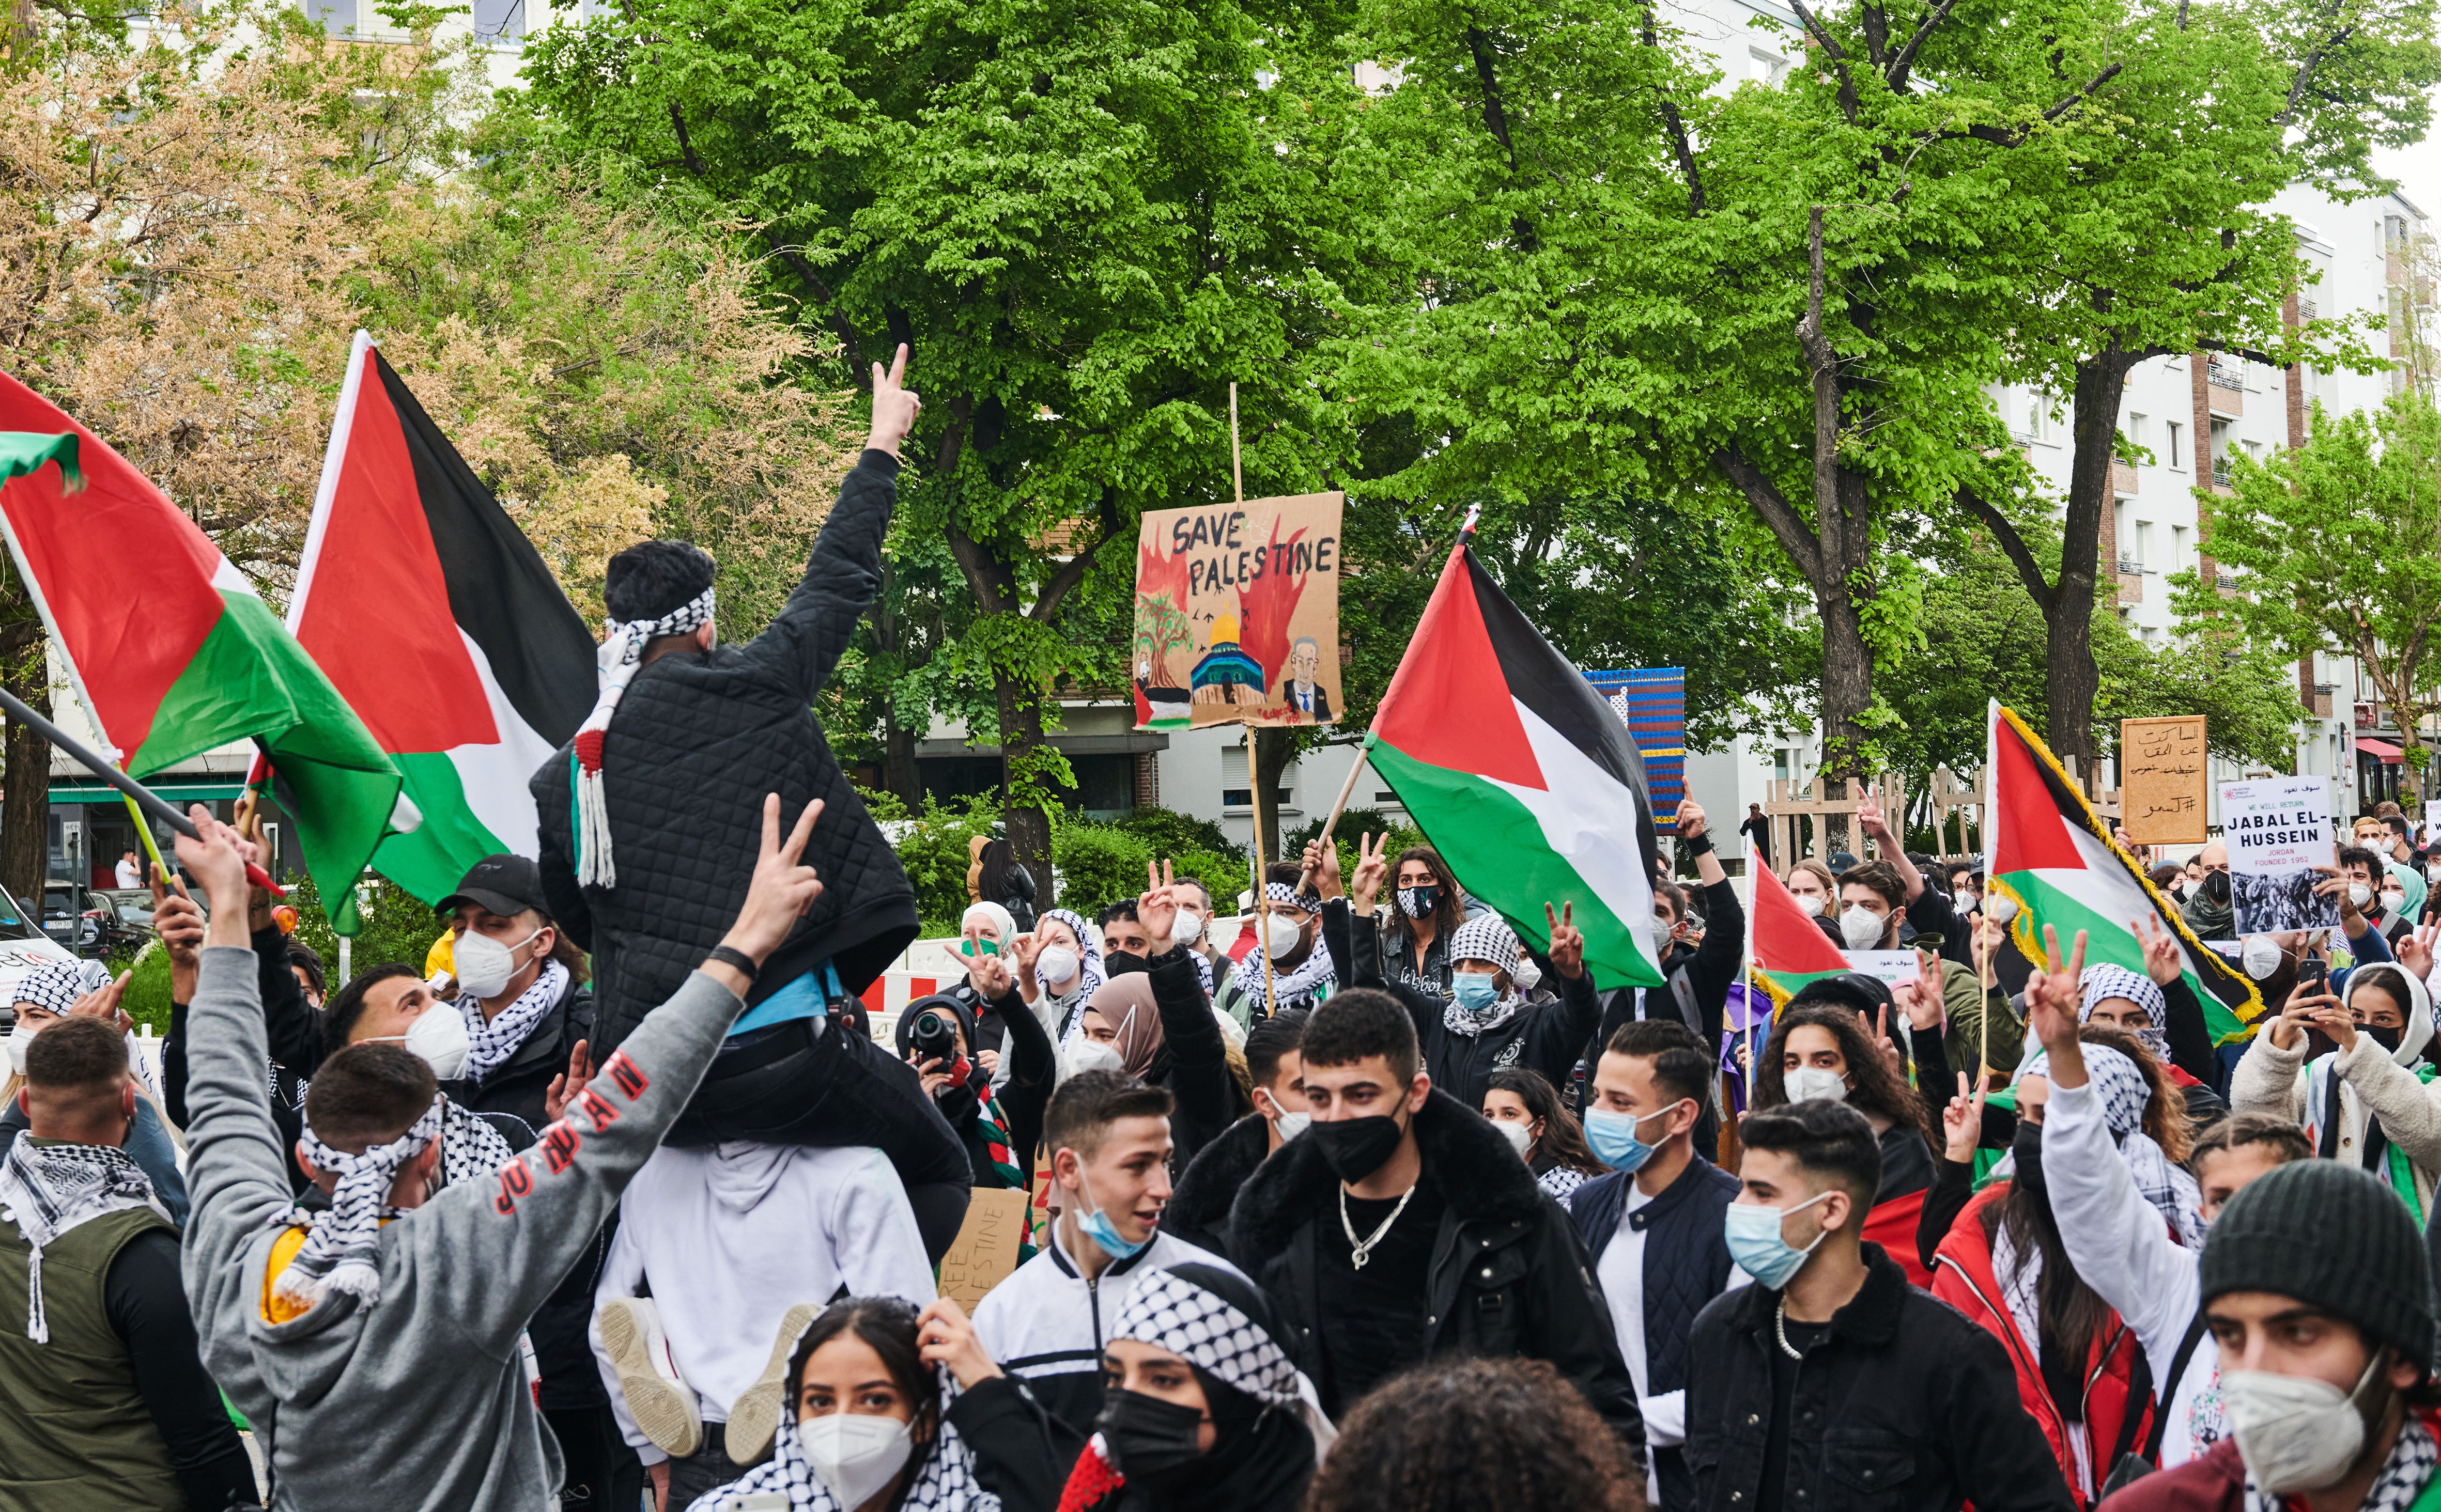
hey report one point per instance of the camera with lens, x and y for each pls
(934, 1036)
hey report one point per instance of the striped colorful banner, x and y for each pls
(1652, 702)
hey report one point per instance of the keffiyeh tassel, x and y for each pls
(343, 1240)
(49, 1190)
(620, 659)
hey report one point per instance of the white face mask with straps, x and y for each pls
(483, 965)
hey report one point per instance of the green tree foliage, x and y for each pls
(2335, 547)
(1086, 219)
(398, 927)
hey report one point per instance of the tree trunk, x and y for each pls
(899, 774)
(2070, 679)
(1268, 752)
(1026, 824)
(25, 800)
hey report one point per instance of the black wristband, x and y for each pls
(1697, 844)
(732, 957)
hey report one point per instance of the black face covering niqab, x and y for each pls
(1261, 1457)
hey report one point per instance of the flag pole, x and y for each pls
(1748, 971)
(1236, 468)
(138, 795)
(1263, 903)
(1983, 971)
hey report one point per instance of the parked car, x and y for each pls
(24, 944)
(132, 910)
(88, 921)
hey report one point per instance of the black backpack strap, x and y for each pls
(2169, 1384)
(2139, 1391)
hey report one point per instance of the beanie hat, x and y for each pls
(2333, 1237)
(1486, 937)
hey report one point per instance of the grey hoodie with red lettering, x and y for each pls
(420, 1400)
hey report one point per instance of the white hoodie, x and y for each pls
(2371, 1079)
(733, 1235)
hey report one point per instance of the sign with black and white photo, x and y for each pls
(2278, 830)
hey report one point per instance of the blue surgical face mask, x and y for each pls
(1097, 1227)
(1612, 1138)
(1755, 1244)
(1474, 992)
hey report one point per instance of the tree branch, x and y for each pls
(2091, 84)
(1073, 571)
(1677, 125)
(1848, 100)
(1904, 60)
(2313, 61)
(1778, 515)
(1493, 116)
(686, 143)
(2029, 571)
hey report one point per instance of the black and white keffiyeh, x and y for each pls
(471, 1148)
(944, 1482)
(2124, 1091)
(1310, 979)
(621, 657)
(47, 1190)
(2105, 982)
(1069, 1005)
(1208, 1330)
(490, 1043)
(57, 985)
(343, 1239)
(1486, 937)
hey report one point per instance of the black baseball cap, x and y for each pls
(503, 884)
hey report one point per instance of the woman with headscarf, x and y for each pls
(2003, 1266)
(889, 1411)
(1157, 1026)
(1203, 1411)
(1000, 1127)
(1058, 966)
(2402, 900)
(2158, 1007)
(2372, 1102)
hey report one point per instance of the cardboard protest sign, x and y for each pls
(2278, 830)
(1237, 618)
(1896, 969)
(2162, 772)
(985, 1251)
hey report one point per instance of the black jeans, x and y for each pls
(786, 1085)
(706, 1470)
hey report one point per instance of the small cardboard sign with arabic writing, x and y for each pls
(2162, 771)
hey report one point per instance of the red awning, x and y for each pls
(2388, 752)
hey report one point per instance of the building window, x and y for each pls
(2140, 434)
(2178, 548)
(1236, 792)
(2220, 437)
(2178, 454)
(1764, 67)
(499, 21)
(337, 17)
(2144, 546)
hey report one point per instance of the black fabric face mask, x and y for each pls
(1119, 963)
(1147, 1436)
(2028, 1147)
(2217, 887)
(2387, 1039)
(1354, 1148)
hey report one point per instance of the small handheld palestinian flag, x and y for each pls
(171, 649)
(2057, 859)
(1520, 775)
(1790, 949)
(436, 620)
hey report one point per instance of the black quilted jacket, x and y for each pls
(699, 739)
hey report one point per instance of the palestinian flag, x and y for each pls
(1520, 775)
(1789, 949)
(436, 620)
(2058, 860)
(172, 652)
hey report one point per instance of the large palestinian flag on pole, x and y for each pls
(1790, 949)
(436, 620)
(2052, 853)
(172, 652)
(1520, 775)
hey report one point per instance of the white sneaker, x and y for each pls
(657, 1399)
(754, 1417)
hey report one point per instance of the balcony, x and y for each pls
(2220, 473)
(2122, 478)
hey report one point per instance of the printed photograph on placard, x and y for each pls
(1236, 616)
(2278, 831)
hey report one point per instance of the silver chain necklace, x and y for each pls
(1780, 1325)
(1362, 1250)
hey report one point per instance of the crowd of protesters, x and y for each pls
(1369, 1203)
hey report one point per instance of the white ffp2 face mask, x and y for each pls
(1862, 929)
(1809, 1084)
(856, 1453)
(2261, 956)
(1519, 1136)
(1186, 927)
(1280, 935)
(1091, 1054)
(2295, 1433)
(1809, 905)
(20, 1038)
(1057, 965)
(483, 965)
(438, 1037)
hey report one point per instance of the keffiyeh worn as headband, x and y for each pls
(341, 1248)
(1283, 893)
(621, 657)
(57, 985)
